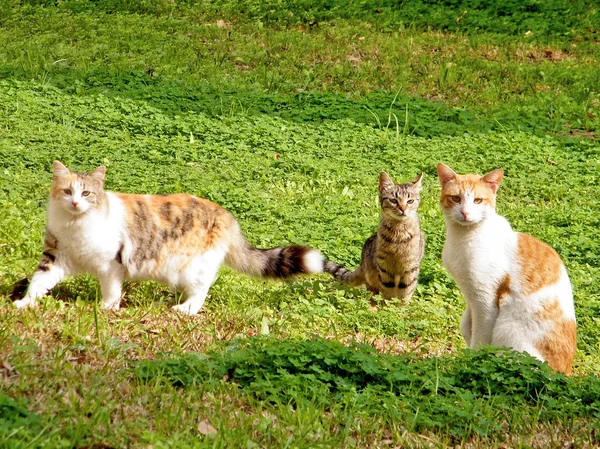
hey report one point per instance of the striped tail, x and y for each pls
(281, 262)
(352, 278)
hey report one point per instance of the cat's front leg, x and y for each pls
(49, 272)
(111, 284)
(483, 319)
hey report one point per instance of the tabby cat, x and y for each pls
(516, 287)
(177, 239)
(391, 258)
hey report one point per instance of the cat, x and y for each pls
(516, 287)
(177, 239)
(391, 258)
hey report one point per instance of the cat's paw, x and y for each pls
(113, 305)
(184, 308)
(22, 303)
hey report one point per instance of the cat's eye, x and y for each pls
(85, 193)
(410, 201)
(393, 200)
(478, 200)
(67, 191)
(455, 198)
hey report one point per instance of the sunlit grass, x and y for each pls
(288, 126)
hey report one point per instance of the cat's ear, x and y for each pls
(385, 182)
(493, 178)
(445, 173)
(98, 173)
(59, 170)
(417, 181)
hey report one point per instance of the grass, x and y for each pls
(464, 395)
(287, 120)
(196, 57)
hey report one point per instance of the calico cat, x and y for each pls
(516, 287)
(177, 239)
(391, 258)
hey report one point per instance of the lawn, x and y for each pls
(285, 113)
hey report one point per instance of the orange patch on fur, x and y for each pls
(502, 290)
(540, 264)
(163, 225)
(558, 347)
(64, 182)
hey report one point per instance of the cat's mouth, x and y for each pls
(466, 221)
(397, 215)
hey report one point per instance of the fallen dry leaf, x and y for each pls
(354, 59)
(6, 368)
(222, 24)
(205, 428)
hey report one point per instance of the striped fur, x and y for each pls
(517, 289)
(391, 258)
(177, 239)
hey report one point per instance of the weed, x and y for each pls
(460, 395)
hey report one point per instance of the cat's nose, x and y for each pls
(465, 214)
(75, 203)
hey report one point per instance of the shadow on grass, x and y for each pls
(398, 114)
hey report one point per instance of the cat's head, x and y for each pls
(468, 199)
(77, 193)
(399, 201)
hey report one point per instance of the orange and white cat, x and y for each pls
(516, 287)
(180, 240)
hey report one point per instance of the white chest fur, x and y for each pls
(478, 256)
(89, 241)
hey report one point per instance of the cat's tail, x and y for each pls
(280, 262)
(352, 278)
